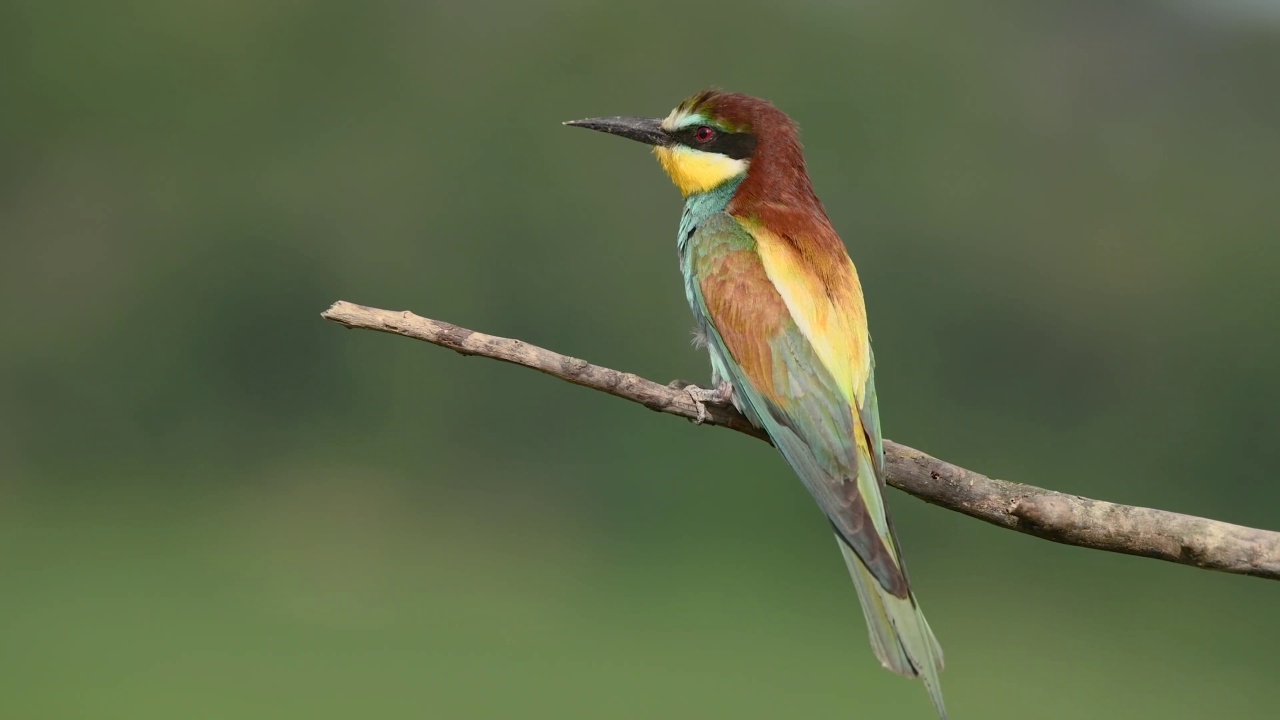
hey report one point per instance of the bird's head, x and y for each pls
(708, 140)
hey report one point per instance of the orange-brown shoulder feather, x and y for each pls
(748, 312)
(819, 285)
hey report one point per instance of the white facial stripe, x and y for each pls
(677, 120)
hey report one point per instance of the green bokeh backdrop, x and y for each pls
(215, 505)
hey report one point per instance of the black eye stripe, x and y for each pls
(738, 146)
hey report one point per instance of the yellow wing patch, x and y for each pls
(828, 309)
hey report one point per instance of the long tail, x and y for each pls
(900, 636)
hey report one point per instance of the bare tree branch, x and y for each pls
(1062, 518)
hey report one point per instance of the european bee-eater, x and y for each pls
(778, 302)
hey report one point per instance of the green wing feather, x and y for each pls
(781, 384)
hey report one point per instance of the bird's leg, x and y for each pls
(722, 394)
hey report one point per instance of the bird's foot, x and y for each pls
(722, 394)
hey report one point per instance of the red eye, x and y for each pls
(704, 133)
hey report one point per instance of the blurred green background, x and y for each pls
(213, 504)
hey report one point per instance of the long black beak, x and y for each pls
(646, 130)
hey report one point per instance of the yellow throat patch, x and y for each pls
(694, 171)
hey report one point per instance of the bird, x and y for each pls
(779, 306)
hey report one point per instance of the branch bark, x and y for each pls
(1062, 518)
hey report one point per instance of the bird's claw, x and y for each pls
(720, 395)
